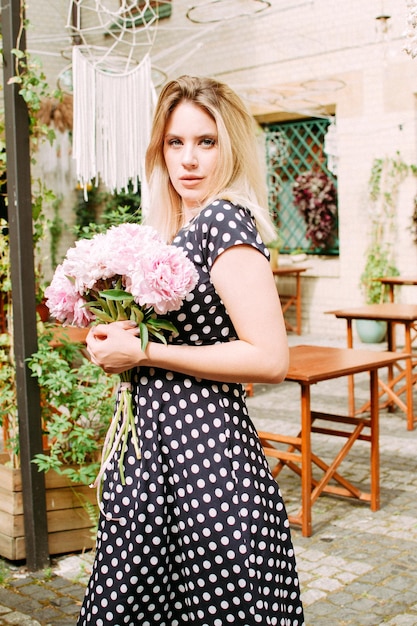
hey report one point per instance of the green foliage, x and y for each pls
(5, 575)
(276, 244)
(55, 228)
(118, 208)
(378, 264)
(413, 227)
(387, 174)
(5, 283)
(92, 510)
(41, 196)
(385, 179)
(77, 407)
(8, 412)
(129, 200)
(33, 88)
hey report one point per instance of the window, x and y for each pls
(294, 149)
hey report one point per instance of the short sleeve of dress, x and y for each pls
(222, 225)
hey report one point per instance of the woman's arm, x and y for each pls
(243, 279)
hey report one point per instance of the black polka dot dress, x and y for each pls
(198, 534)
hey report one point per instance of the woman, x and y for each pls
(199, 534)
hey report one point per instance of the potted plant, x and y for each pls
(274, 248)
(378, 264)
(77, 406)
(385, 179)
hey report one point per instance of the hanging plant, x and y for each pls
(413, 226)
(387, 175)
(315, 197)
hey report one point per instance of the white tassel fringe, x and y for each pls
(112, 122)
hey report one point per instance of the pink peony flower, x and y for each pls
(163, 279)
(84, 265)
(64, 302)
(123, 245)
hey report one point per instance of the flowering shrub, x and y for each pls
(316, 199)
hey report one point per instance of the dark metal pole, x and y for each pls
(23, 289)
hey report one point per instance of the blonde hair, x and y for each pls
(239, 177)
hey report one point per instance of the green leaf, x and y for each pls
(112, 309)
(15, 79)
(136, 315)
(164, 324)
(18, 53)
(144, 336)
(116, 294)
(101, 315)
(159, 336)
(122, 313)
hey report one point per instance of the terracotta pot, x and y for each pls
(69, 333)
(43, 311)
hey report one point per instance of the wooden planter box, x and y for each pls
(69, 526)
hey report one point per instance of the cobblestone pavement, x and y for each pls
(359, 568)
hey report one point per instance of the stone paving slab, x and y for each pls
(359, 568)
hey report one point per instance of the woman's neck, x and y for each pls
(188, 214)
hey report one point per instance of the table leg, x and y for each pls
(298, 303)
(351, 381)
(409, 377)
(306, 474)
(391, 345)
(391, 292)
(374, 395)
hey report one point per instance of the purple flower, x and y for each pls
(316, 199)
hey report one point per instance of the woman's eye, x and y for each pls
(208, 142)
(174, 142)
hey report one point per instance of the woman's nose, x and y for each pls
(189, 157)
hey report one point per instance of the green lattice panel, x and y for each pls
(293, 148)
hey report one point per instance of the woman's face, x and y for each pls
(191, 153)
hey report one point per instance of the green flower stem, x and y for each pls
(126, 409)
(113, 440)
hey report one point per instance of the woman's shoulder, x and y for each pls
(223, 224)
(220, 210)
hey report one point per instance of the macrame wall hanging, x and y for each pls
(112, 118)
(113, 93)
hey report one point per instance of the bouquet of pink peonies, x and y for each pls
(127, 273)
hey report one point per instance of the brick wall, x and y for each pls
(357, 72)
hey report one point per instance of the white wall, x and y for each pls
(366, 78)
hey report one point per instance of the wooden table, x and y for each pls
(293, 299)
(396, 281)
(392, 313)
(310, 365)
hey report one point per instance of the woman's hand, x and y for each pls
(115, 347)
